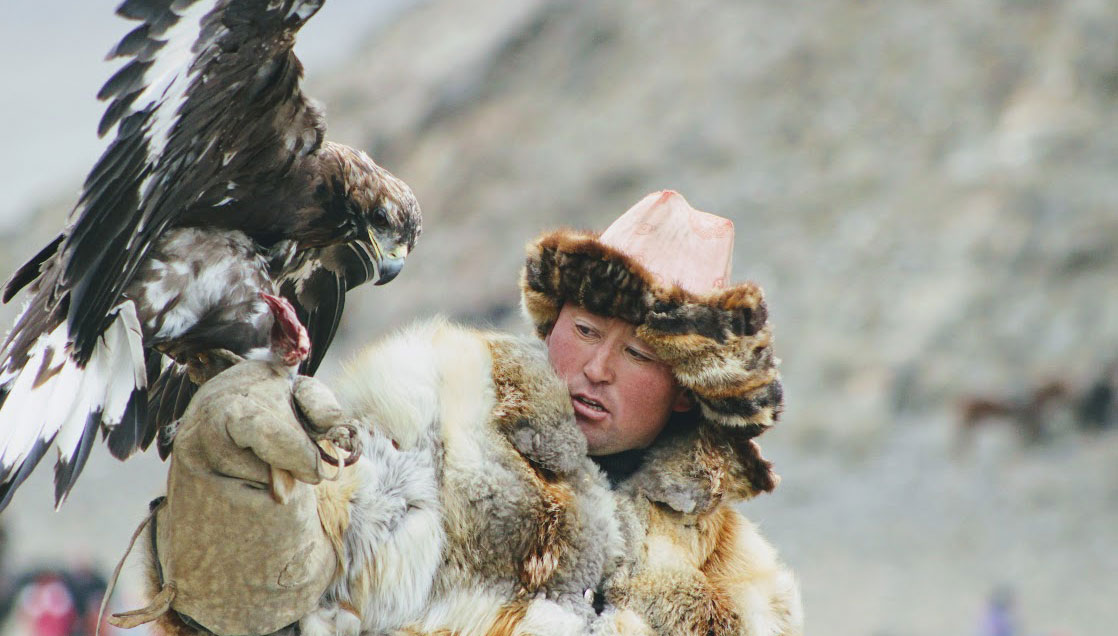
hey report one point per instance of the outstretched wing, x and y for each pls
(207, 109)
(317, 285)
(208, 102)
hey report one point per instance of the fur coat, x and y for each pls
(700, 567)
(478, 511)
(475, 510)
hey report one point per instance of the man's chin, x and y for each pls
(593, 434)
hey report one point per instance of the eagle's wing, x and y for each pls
(208, 102)
(317, 284)
(206, 107)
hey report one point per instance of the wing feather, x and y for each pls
(155, 365)
(126, 81)
(167, 401)
(143, 9)
(9, 486)
(124, 438)
(137, 42)
(68, 468)
(31, 269)
(205, 80)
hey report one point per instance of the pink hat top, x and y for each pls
(676, 243)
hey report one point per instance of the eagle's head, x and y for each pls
(394, 224)
(361, 202)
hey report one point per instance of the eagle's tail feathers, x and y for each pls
(54, 399)
(11, 482)
(126, 437)
(67, 469)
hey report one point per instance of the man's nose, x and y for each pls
(599, 367)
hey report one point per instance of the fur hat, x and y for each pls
(663, 266)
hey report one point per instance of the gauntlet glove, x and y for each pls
(237, 546)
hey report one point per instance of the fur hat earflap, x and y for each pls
(718, 344)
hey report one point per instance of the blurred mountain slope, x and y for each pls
(912, 184)
(925, 190)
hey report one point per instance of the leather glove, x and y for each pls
(238, 545)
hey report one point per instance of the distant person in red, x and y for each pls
(47, 608)
(53, 602)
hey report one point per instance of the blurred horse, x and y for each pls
(1027, 414)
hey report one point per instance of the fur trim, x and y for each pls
(719, 346)
(694, 468)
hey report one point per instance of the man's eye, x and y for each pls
(639, 356)
(583, 329)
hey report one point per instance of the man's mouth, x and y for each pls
(592, 404)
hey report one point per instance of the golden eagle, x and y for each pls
(217, 186)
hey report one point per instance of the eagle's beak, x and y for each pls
(389, 265)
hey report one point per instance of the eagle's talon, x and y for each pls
(343, 437)
(354, 454)
(327, 457)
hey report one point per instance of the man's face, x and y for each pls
(622, 395)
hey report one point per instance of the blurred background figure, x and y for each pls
(999, 618)
(53, 601)
(1098, 410)
(1032, 412)
(1027, 413)
(49, 601)
(43, 605)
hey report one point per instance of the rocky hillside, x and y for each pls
(925, 190)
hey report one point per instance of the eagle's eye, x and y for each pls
(379, 217)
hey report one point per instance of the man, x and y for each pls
(671, 375)
(475, 508)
